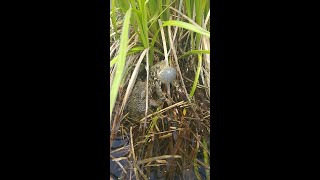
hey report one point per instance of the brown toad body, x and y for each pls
(159, 73)
(137, 101)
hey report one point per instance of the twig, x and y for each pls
(157, 158)
(147, 96)
(162, 110)
(133, 155)
(203, 164)
(116, 160)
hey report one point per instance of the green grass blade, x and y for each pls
(194, 52)
(113, 17)
(123, 4)
(113, 61)
(121, 61)
(199, 15)
(189, 8)
(188, 26)
(167, 13)
(137, 49)
(196, 79)
(131, 51)
(160, 8)
(144, 21)
(181, 24)
(137, 15)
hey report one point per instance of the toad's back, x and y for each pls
(137, 101)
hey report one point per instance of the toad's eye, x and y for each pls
(167, 75)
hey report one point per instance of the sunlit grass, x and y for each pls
(121, 62)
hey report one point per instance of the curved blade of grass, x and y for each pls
(181, 24)
(114, 60)
(194, 52)
(136, 49)
(131, 51)
(121, 61)
(188, 26)
(196, 79)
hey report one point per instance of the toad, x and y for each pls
(159, 73)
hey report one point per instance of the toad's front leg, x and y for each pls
(159, 92)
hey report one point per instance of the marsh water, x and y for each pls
(156, 173)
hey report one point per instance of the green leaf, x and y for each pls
(188, 26)
(196, 79)
(121, 61)
(194, 52)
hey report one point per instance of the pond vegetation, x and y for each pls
(171, 140)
